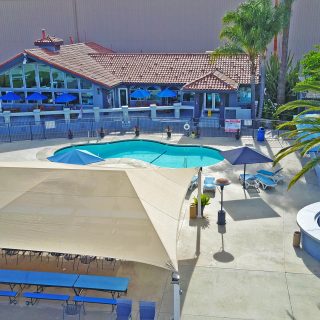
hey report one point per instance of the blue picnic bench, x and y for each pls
(35, 296)
(98, 300)
(10, 294)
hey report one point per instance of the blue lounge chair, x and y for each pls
(265, 182)
(194, 182)
(147, 310)
(209, 184)
(273, 175)
(250, 181)
(124, 307)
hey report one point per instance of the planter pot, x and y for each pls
(296, 239)
(168, 135)
(137, 133)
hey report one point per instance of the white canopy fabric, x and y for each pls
(130, 214)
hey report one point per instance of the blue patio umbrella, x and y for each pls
(75, 156)
(65, 98)
(244, 155)
(140, 94)
(167, 93)
(36, 96)
(10, 96)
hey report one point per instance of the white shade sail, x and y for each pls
(130, 214)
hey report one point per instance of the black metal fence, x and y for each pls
(83, 128)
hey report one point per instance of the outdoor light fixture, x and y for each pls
(24, 61)
(222, 182)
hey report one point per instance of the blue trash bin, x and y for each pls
(261, 134)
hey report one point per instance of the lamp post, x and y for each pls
(222, 182)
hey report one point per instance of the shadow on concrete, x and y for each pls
(311, 263)
(290, 315)
(222, 255)
(249, 209)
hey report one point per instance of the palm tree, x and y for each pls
(306, 130)
(249, 29)
(287, 4)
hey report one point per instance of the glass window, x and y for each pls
(49, 97)
(153, 92)
(44, 76)
(188, 96)
(87, 98)
(244, 95)
(30, 75)
(5, 80)
(58, 79)
(74, 102)
(72, 82)
(16, 74)
(132, 90)
(85, 84)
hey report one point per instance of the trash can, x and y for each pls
(193, 211)
(296, 239)
(261, 134)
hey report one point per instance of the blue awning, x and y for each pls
(76, 156)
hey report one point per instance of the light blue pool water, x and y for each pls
(159, 154)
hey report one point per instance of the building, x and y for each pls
(98, 77)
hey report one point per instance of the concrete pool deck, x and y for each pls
(254, 273)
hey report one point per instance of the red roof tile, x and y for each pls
(98, 48)
(74, 58)
(215, 80)
(173, 68)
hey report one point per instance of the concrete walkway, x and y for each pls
(247, 270)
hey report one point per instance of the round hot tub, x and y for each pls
(308, 220)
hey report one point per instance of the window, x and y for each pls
(188, 97)
(58, 79)
(49, 97)
(123, 97)
(72, 82)
(44, 76)
(132, 90)
(213, 101)
(244, 95)
(85, 84)
(153, 90)
(30, 75)
(87, 98)
(5, 80)
(17, 76)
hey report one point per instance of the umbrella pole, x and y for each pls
(244, 177)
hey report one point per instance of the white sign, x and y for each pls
(232, 125)
(50, 124)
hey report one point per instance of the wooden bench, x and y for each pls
(83, 300)
(10, 294)
(35, 296)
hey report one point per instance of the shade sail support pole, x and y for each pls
(199, 193)
(176, 295)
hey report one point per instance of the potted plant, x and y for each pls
(137, 131)
(205, 200)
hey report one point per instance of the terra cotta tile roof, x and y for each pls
(174, 68)
(74, 58)
(215, 79)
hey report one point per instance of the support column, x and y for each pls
(66, 112)
(125, 114)
(176, 295)
(96, 114)
(36, 114)
(199, 192)
(7, 115)
(153, 112)
(177, 112)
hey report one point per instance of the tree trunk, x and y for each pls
(262, 85)
(253, 89)
(281, 94)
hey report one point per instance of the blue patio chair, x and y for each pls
(273, 175)
(250, 181)
(265, 182)
(147, 310)
(209, 184)
(124, 308)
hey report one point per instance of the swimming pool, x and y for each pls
(156, 153)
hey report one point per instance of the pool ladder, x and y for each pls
(185, 162)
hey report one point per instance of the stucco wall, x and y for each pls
(137, 25)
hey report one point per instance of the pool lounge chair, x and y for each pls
(194, 182)
(265, 182)
(147, 310)
(124, 307)
(250, 182)
(273, 175)
(209, 184)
